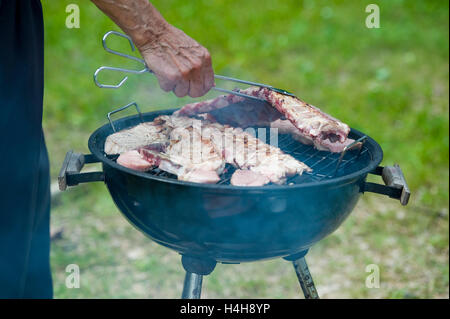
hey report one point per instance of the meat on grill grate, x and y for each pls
(245, 177)
(136, 137)
(286, 127)
(134, 160)
(197, 150)
(312, 125)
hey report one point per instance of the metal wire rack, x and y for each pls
(324, 165)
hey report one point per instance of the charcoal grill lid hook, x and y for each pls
(356, 144)
(121, 109)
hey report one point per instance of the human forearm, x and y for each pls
(180, 63)
(137, 18)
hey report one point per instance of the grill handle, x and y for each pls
(395, 183)
(70, 175)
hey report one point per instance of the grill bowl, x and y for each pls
(228, 223)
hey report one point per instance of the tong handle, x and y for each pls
(238, 94)
(227, 78)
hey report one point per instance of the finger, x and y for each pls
(196, 81)
(167, 84)
(163, 69)
(196, 88)
(170, 72)
(208, 73)
(193, 73)
(208, 80)
(182, 88)
(201, 75)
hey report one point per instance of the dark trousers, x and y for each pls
(24, 167)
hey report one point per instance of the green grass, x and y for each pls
(391, 83)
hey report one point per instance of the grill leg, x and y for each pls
(303, 274)
(192, 288)
(305, 279)
(195, 268)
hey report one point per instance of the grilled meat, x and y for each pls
(195, 175)
(179, 139)
(325, 132)
(199, 175)
(154, 135)
(134, 160)
(244, 151)
(190, 150)
(197, 150)
(246, 114)
(245, 177)
(148, 153)
(286, 127)
(209, 105)
(136, 137)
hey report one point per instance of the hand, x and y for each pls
(180, 63)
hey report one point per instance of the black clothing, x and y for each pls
(24, 166)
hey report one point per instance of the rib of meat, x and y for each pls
(149, 155)
(208, 105)
(246, 114)
(169, 122)
(138, 136)
(308, 119)
(286, 127)
(171, 136)
(199, 175)
(192, 151)
(153, 134)
(190, 156)
(197, 150)
(245, 151)
(326, 132)
(245, 177)
(134, 160)
(196, 175)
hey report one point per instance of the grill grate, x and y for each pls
(323, 163)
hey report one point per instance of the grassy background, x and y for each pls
(391, 83)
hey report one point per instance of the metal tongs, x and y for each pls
(146, 69)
